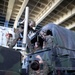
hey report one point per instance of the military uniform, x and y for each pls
(49, 41)
(17, 36)
(20, 29)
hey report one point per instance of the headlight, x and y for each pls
(35, 65)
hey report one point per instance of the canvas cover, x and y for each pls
(63, 37)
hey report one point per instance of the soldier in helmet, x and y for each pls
(48, 39)
(19, 30)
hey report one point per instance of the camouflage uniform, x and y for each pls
(14, 41)
(49, 41)
(20, 29)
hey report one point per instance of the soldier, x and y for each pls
(19, 30)
(9, 37)
(37, 46)
(48, 39)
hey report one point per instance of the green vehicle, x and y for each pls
(58, 60)
(10, 61)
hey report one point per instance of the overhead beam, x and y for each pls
(65, 16)
(35, 11)
(13, 18)
(15, 12)
(9, 9)
(15, 9)
(36, 7)
(21, 0)
(43, 3)
(20, 13)
(51, 8)
(70, 26)
(14, 15)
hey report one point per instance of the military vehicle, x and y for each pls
(58, 60)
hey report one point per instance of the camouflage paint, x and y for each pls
(2, 72)
(10, 60)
